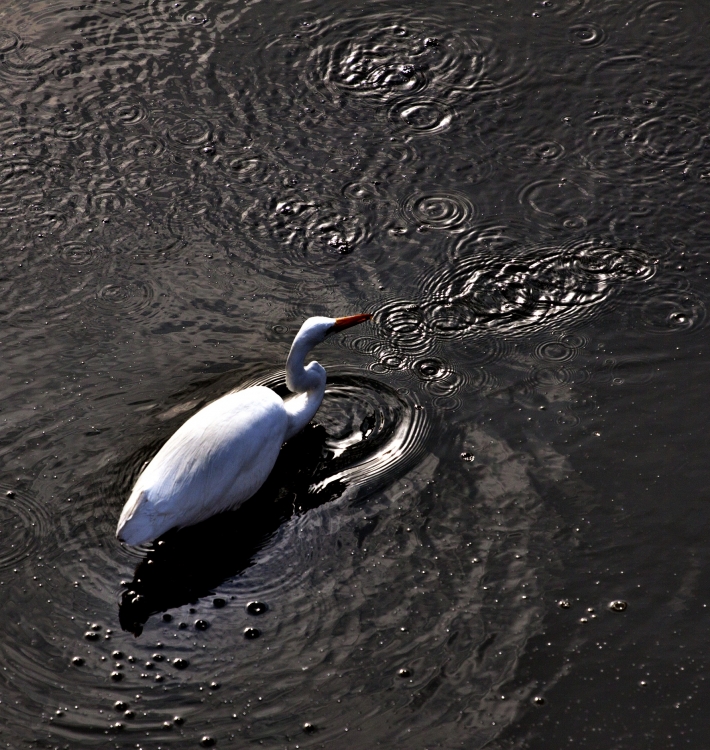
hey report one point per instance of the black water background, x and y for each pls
(519, 194)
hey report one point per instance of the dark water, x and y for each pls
(519, 193)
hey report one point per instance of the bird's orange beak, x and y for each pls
(352, 320)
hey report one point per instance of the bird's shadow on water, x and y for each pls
(187, 564)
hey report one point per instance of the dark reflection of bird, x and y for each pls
(223, 454)
(188, 564)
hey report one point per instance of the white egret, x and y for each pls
(222, 455)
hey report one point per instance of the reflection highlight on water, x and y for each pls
(518, 196)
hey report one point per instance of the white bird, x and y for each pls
(222, 455)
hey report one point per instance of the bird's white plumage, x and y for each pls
(222, 455)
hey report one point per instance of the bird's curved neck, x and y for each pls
(301, 409)
(308, 382)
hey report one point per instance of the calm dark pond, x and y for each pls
(495, 533)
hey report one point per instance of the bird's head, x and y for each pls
(300, 378)
(314, 330)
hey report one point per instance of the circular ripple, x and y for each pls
(555, 351)
(421, 116)
(556, 202)
(673, 312)
(604, 145)
(535, 287)
(332, 230)
(650, 100)
(77, 253)
(402, 324)
(383, 56)
(71, 131)
(8, 41)
(662, 18)
(125, 112)
(587, 35)
(128, 297)
(116, 112)
(668, 139)
(306, 229)
(448, 211)
(380, 428)
(106, 202)
(195, 18)
(22, 182)
(249, 168)
(374, 432)
(25, 62)
(145, 146)
(184, 131)
(365, 192)
(23, 524)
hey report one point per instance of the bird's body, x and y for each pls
(222, 455)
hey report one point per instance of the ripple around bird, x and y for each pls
(373, 430)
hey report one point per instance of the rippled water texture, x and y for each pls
(494, 534)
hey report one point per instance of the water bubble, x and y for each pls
(256, 608)
(587, 35)
(251, 633)
(309, 728)
(201, 624)
(430, 368)
(180, 663)
(167, 617)
(120, 706)
(207, 741)
(219, 603)
(178, 720)
(404, 672)
(195, 18)
(157, 657)
(77, 661)
(548, 150)
(214, 685)
(90, 635)
(116, 676)
(618, 605)
(672, 312)
(538, 700)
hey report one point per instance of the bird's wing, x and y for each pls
(218, 458)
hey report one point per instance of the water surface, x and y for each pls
(518, 194)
